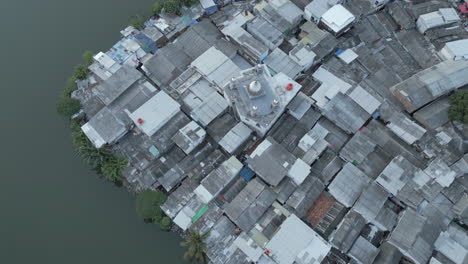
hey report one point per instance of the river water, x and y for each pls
(53, 208)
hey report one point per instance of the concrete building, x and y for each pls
(337, 20)
(295, 242)
(155, 113)
(259, 98)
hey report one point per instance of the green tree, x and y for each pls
(173, 7)
(68, 106)
(196, 246)
(112, 169)
(166, 224)
(138, 21)
(459, 106)
(157, 8)
(148, 204)
(81, 72)
(88, 58)
(190, 3)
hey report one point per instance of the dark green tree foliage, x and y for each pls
(148, 204)
(66, 105)
(173, 7)
(196, 246)
(166, 224)
(459, 107)
(157, 7)
(81, 72)
(107, 164)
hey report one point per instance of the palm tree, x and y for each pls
(195, 242)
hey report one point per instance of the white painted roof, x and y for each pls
(294, 240)
(348, 56)
(364, 99)
(299, 171)
(155, 113)
(331, 85)
(337, 18)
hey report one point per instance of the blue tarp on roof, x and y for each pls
(246, 173)
(118, 53)
(338, 52)
(145, 42)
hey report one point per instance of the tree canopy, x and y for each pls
(107, 164)
(459, 106)
(148, 204)
(166, 224)
(196, 246)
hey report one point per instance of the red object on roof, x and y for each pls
(140, 121)
(289, 87)
(463, 8)
(267, 252)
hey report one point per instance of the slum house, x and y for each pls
(191, 162)
(441, 17)
(299, 106)
(265, 32)
(215, 182)
(235, 138)
(166, 64)
(325, 214)
(106, 127)
(348, 184)
(146, 43)
(104, 66)
(283, 14)
(401, 15)
(346, 113)
(268, 224)
(327, 166)
(455, 50)
(405, 128)
(221, 126)
(131, 99)
(259, 98)
(172, 25)
(189, 137)
(155, 113)
(371, 202)
(216, 67)
(347, 231)
(272, 162)
(363, 251)
(428, 85)
(414, 237)
(295, 242)
(316, 8)
(278, 61)
(250, 204)
(249, 47)
(305, 195)
(337, 20)
(198, 38)
(452, 245)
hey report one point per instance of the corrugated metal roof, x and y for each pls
(348, 184)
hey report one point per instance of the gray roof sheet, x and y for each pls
(348, 184)
(115, 85)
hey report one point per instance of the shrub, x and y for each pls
(148, 204)
(166, 224)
